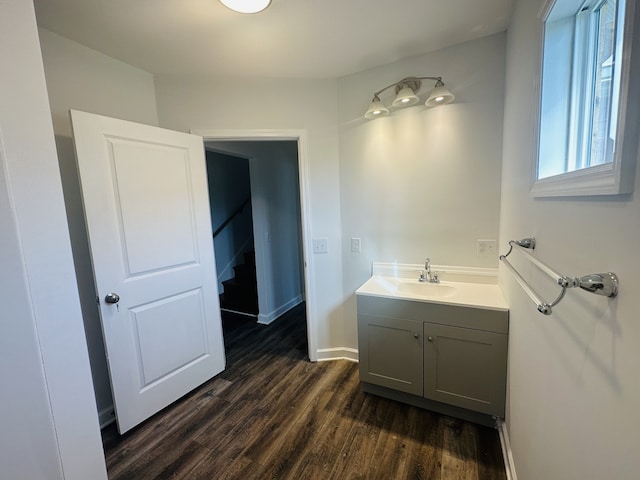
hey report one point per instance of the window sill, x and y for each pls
(599, 180)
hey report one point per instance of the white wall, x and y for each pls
(82, 79)
(47, 410)
(79, 78)
(274, 190)
(422, 182)
(308, 105)
(574, 387)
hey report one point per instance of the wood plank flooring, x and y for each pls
(274, 415)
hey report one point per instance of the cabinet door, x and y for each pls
(390, 351)
(465, 367)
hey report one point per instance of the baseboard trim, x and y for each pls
(507, 454)
(106, 416)
(328, 354)
(236, 312)
(269, 318)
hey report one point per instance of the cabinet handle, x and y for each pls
(430, 339)
(415, 335)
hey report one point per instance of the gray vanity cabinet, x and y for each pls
(465, 367)
(442, 355)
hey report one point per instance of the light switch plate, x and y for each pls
(355, 245)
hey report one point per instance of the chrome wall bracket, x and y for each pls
(600, 283)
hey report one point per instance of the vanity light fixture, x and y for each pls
(246, 6)
(406, 95)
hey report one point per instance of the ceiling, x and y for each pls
(292, 38)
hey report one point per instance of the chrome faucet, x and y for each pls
(426, 275)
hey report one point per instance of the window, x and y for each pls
(584, 116)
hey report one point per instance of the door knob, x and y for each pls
(415, 335)
(112, 298)
(430, 339)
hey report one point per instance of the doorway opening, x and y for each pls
(276, 210)
(228, 178)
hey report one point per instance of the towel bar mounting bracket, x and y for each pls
(606, 284)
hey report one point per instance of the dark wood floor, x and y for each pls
(274, 415)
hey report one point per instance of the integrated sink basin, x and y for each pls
(451, 293)
(422, 289)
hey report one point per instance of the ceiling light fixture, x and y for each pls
(246, 6)
(406, 95)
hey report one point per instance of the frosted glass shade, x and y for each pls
(246, 6)
(406, 96)
(439, 96)
(376, 109)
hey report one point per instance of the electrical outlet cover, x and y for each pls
(320, 245)
(487, 248)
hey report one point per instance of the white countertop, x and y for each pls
(476, 295)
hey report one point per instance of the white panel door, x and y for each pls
(146, 205)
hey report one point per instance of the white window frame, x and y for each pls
(581, 102)
(617, 177)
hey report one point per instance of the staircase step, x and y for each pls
(249, 257)
(242, 296)
(249, 306)
(241, 292)
(236, 284)
(245, 273)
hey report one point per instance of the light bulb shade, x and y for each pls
(246, 6)
(406, 96)
(376, 109)
(439, 96)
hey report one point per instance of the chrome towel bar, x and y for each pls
(606, 284)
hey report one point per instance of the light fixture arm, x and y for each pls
(413, 82)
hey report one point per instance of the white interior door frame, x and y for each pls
(300, 136)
